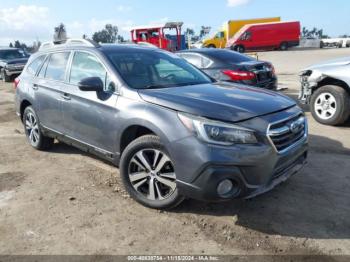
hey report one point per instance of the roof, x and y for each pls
(203, 50)
(155, 26)
(270, 23)
(8, 48)
(102, 47)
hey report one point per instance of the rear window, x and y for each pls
(56, 69)
(34, 66)
(230, 56)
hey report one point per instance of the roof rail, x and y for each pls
(69, 42)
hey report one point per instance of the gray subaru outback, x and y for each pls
(174, 132)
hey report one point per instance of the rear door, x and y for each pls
(90, 117)
(48, 90)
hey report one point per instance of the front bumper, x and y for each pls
(305, 91)
(253, 169)
(14, 71)
(205, 186)
(271, 84)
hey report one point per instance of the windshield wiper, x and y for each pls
(155, 87)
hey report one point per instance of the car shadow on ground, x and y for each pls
(315, 203)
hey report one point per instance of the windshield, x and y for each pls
(144, 69)
(12, 54)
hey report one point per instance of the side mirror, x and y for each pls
(91, 84)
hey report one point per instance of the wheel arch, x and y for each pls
(24, 104)
(131, 133)
(333, 81)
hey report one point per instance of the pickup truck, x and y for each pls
(12, 62)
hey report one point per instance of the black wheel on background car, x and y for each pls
(330, 105)
(284, 46)
(148, 173)
(240, 49)
(211, 46)
(4, 76)
(33, 132)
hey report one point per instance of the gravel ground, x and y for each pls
(67, 202)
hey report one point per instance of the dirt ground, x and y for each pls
(66, 202)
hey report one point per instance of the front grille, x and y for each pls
(286, 133)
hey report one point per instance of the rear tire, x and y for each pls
(33, 132)
(330, 105)
(148, 173)
(211, 46)
(284, 46)
(240, 49)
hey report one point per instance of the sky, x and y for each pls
(35, 19)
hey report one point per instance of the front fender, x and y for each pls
(161, 121)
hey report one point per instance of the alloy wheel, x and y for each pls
(151, 173)
(32, 128)
(325, 106)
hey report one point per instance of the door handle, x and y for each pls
(35, 87)
(66, 96)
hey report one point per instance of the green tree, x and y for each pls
(107, 35)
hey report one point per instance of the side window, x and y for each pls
(35, 65)
(86, 65)
(56, 69)
(195, 60)
(43, 69)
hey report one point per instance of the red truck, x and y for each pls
(266, 36)
(159, 35)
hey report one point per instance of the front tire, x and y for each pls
(148, 173)
(4, 76)
(211, 46)
(33, 132)
(330, 105)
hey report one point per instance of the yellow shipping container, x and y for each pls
(230, 28)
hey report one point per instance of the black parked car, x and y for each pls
(12, 62)
(227, 65)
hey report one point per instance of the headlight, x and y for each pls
(216, 132)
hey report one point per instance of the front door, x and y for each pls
(90, 117)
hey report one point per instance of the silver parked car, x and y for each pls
(326, 87)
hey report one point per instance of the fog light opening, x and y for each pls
(228, 188)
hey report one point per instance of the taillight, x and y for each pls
(16, 82)
(239, 75)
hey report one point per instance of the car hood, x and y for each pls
(331, 63)
(16, 61)
(221, 101)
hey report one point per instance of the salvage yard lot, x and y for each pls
(67, 202)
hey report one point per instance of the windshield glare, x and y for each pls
(155, 69)
(11, 54)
